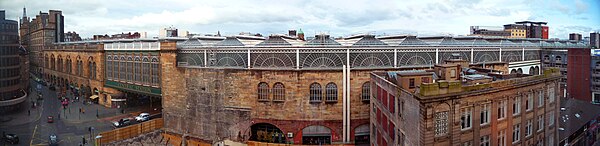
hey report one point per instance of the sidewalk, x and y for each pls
(20, 116)
(97, 112)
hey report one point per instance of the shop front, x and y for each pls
(134, 95)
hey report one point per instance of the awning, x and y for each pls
(93, 96)
(118, 99)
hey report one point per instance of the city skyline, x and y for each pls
(333, 17)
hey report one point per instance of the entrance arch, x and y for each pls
(361, 134)
(316, 135)
(265, 132)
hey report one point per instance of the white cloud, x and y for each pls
(339, 17)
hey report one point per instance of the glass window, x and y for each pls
(540, 98)
(485, 114)
(155, 72)
(123, 71)
(465, 118)
(441, 123)
(138, 70)
(551, 95)
(146, 69)
(331, 92)
(501, 110)
(517, 105)
(529, 102)
(529, 128)
(551, 119)
(540, 123)
(502, 137)
(315, 92)
(366, 91)
(129, 69)
(516, 133)
(278, 92)
(484, 140)
(411, 83)
(263, 92)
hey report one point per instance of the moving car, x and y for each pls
(143, 117)
(11, 138)
(53, 140)
(50, 119)
(122, 122)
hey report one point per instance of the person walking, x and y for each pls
(29, 112)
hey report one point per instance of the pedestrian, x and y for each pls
(59, 115)
(29, 112)
(83, 111)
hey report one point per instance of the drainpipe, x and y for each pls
(344, 98)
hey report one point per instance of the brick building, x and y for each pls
(475, 106)
(40, 33)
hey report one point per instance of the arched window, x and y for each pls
(263, 91)
(93, 70)
(278, 92)
(123, 71)
(116, 68)
(146, 69)
(155, 72)
(316, 92)
(129, 69)
(69, 66)
(109, 67)
(138, 70)
(366, 92)
(90, 70)
(331, 92)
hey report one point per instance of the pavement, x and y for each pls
(70, 128)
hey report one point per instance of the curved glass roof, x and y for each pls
(230, 41)
(322, 40)
(412, 41)
(369, 40)
(274, 41)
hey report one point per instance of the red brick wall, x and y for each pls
(578, 74)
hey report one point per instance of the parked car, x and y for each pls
(143, 117)
(53, 140)
(50, 119)
(11, 138)
(122, 122)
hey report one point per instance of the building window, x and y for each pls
(516, 105)
(137, 72)
(155, 72)
(484, 140)
(278, 92)
(551, 140)
(116, 68)
(80, 68)
(501, 110)
(529, 102)
(551, 95)
(129, 69)
(465, 118)
(331, 92)
(551, 119)
(123, 71)
(540, 123)
(366, 91)
(315, 92)
(502, 137)
(93, 70)
(528, 128)
(424, 79)
(263, 91)
(452, 73)
(516, 133)
(540, 98)
(146, 69)
(411, 83)
(467, 143)
(441, 123)
(485, 114)
(108, 67)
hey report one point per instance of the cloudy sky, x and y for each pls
(336, 17)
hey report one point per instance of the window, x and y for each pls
(315, 92)
(155, 72)
(551, 119)
(331, 93)
(411, 83)
(146, 69)
(528, 128)
(424, 79)
(540, 123)
(502, 137)
(278, 92)
(516, 105)
(465, 118)
(366, 91)
(529, 102)
(263, 91)
(501, 110)
(137, 70)
(516, 136)
(467, 143)
(551, 95)
(540, 98)
(441, 123)
(484, 140)
(550, 140)
(94, 70)
(108, 67)
(123, 70)
(453, 73)
(485, 114)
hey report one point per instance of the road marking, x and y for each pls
(33, 135)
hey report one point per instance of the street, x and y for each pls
(69, 124)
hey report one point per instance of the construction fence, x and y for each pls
(130, 131)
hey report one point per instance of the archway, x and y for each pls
(513, 71)
(537, 70)
(531, 70)
(520, 71)
(361, 135)
(265, 132)
(316, 135)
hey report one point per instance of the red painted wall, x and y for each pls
(545, 31)
(578, 74)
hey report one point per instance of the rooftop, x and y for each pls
(575, 114)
